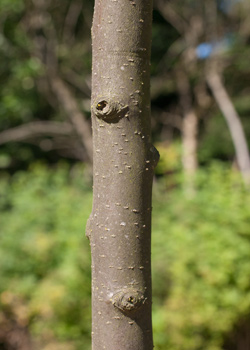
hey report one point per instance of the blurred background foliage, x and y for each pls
(201, 260)
(201, 216)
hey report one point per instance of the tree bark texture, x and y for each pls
(119, 227)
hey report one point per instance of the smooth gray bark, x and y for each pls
(119, 227)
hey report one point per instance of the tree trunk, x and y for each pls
(189, 139)
(233, 122)
(189, 130)
(119, 227)
(189, 125)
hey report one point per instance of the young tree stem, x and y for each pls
(119, 227)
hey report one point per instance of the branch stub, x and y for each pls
(128, 300)
(108, 109)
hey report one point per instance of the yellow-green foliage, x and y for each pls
(44, 256)
(201, 250)
(201, 258)
(170, 156)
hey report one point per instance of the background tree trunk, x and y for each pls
(119, 227)
(189, 130)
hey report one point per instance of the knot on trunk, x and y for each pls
(128, 300)
(109, 109)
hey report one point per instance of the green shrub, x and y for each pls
(44, 256)
(201, 258)
(201, 250)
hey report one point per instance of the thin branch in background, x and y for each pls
(172, 119)
(35, 129)
(171, 16)
(69, 104)
(59, 87)
(65, 146)
(77, 81)
(62, 138)
(233, 121)
(70, 22)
